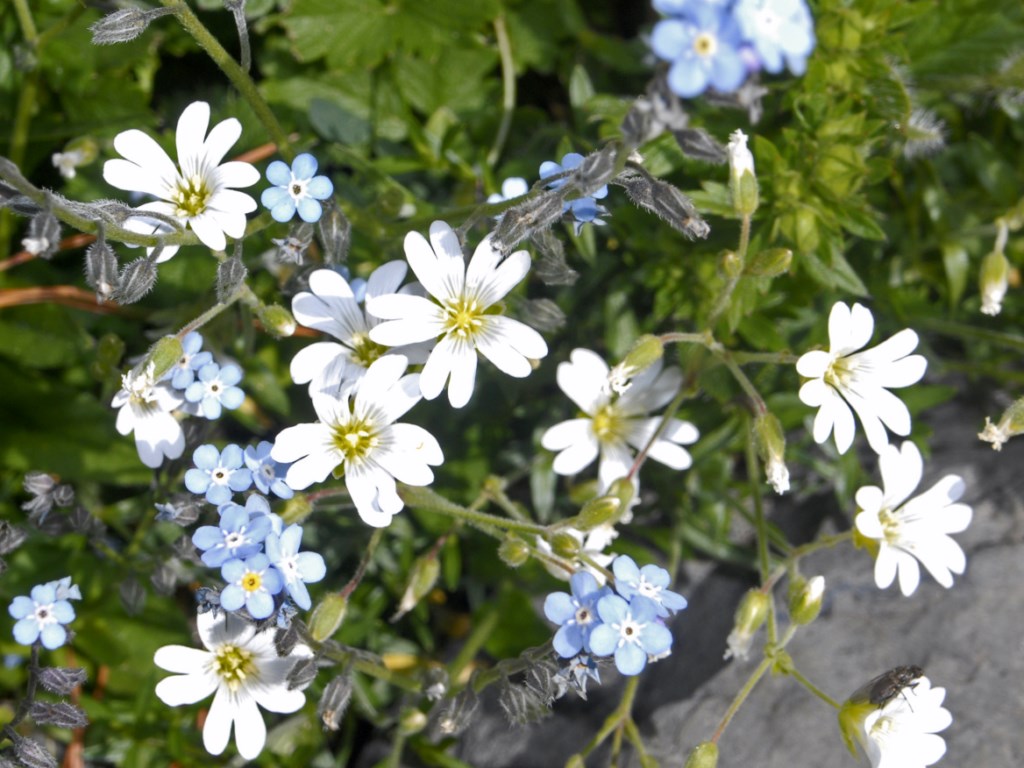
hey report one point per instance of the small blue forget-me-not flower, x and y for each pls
(267, 474)
(631, 631)
(239, 534)
(576, 613)
(649, 581)
(218, 474)
(296, 189)
(296, 568)
(41, 616)
(252, 582)
(216, 389)
(183, 372)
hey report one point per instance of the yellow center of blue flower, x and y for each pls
(251, 581)
(705, 45)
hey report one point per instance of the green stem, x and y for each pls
(761, 523)
(376, 671)
(760, 407)
(357, 577)
(615, 720)
(741, 697)
(424, 498)
(238, 76)
(508, 85)
(243, 290)
(779, 358)
(741, 255)
(813, 688)
(28, 26)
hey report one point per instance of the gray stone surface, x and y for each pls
(967, 638)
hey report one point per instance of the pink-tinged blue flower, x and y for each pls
(631, 631)
(297, 189)
(267, 474)
(183, 372)
(238, 535)
(703, 49)
(779, 30)
(576, 613)
(216, 389)
(584, 210)
(252, 582)
(296, 568)
(649, 581)
(40, 617)
(218, 475)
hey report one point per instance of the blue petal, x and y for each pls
(728, 71)
(279, 173)
(271, 197)
(272, 581)
(571, 161)
(548, 168)
(231, 398)
(240, 480)
(63, 612)
(230, 375)
(311, 567)
(309, 210)
(216, 556)
(259, 528)
(300, 595)
(21, 607)
(656, 639)
(583, 583)
(192, 343)
(304, 167)
(687, 78)
(283, 211)
(209, 372)
(233, 517)
(630, 659)
(218, 494)
(197, 480)
(232, 597)
(559, 607)
(206, 457)
(26, 631)
(603, 640)
(257, 505)
(260, 604)
(195, 392)
(231, 457)
(568, 641)
(320, 188)
(281, 489)
(670, 38)
(53, 636)
(612, 609)
(207, 536)
(232, 571)
(211, 410)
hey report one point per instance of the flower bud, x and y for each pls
(77, 152)
(230, 276)
(575, 761)
(995, 270)
(411, 721)
(334, 702)
(277, 320)
(704, 755)
(327, 617)
(624, 490)
(805, 598)
(513, 551)
(645, 352)
(164, 354)
(770, 262)
(599, 511)
(136, 280)
(742, 180)
(1010, 423)
(101, 269)
(564, 544)
(296, 509)
(771, 445)
(422, 578)
(732, 266)
(124, 25)
(750, 615)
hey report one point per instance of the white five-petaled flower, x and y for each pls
(145, 408)
(904, 733)
(611, 424)
(844, 378)
(357, 432)
(240, 666)
(332, 306)
(463, 316)
(914, 530)
(199, 192)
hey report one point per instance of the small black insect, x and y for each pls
(889, 685)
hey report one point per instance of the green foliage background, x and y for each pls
(401, 103)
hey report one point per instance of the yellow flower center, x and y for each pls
(705, 45)
(191, 196)
(234, 665)
(251, 581)
(364, 351)
(890, 525)
(838, 374)
(465, 316)
(606, 423)
(356, 440)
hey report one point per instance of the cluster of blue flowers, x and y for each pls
(41, 616)
(258, 557)
(718, 44)
(627, 623)
(296, 189)
(208, 387)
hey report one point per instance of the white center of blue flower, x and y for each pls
(234, 539)
(584, 616)
(297, 188)
(629, 630)
(44, 614)
(705, 45)
(289, 568)
(647, 589)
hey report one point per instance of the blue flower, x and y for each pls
(649, 581)
(217, 474)
(239, 534)
(40, 617)
(576, 613)
(252, 582)
(296, 189)
(779, 30)
(183, 372)
(703, 49)
(258, 506)
(631, 631)
(267, 473)
(216, 389)
(296, 568)
(584, 210)
(65, 589)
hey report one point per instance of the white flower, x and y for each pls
(67, 162)
(903, 733)
(843, 378)
(612, 424)
(740, 158)
(593, 546)
(914, 530)
(240, 666)
(462, 315)
(357, 431)
(145, 408)
(200, 194)
(333, 307)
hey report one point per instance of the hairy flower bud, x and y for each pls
(994, 279)
(645, 352)
(334, 702)
(805, 597)
(664, 201)
(704, 755)
(124, 25)
(770, 262)
(771, 445)
(533, 215)
(564, 544)
(422, 577)
(230, 276)
(513, 551)
(750, 615)
(327, 617)
(136, 280)
(599, 511)
(277, 320)
(164, 353)
(43, 235)
(296, 509)
(101, 269)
